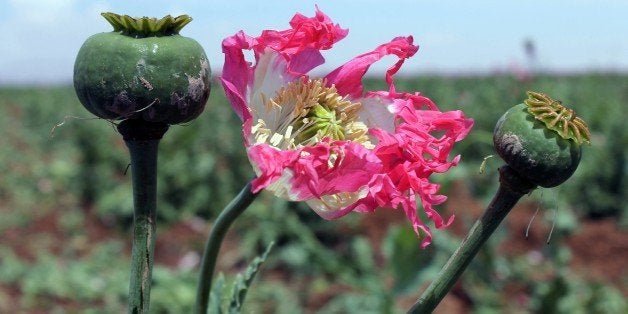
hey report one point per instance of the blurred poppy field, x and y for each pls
(66, 213)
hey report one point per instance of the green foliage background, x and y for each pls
(55, 158)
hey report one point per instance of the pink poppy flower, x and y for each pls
(326, 141)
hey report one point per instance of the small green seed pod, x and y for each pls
(541, 140)
(143, 70)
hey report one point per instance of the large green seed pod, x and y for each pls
(541, 140)
(143, 70)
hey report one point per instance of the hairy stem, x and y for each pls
(511, 189)
(233, 210)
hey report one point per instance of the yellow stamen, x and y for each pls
(305, 112)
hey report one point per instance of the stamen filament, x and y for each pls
(305, 112)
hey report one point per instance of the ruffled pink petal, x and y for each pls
(348, 77)
(237, 73)
(420, 146)
(301, 44)
(305, 60)
(399, 101)
(300, 47)
(318, 32)
(270, 164)
(426, 234)
(310, 174)
(353, 168)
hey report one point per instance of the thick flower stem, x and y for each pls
(511, 188)
(217, 234)
(142, 139)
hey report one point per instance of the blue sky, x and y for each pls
(40, 38)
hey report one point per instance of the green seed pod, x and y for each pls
(143, 70)
(541, 140)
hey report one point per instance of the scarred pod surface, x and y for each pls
(143, 70)
(541, 140)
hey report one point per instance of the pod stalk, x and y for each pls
(511, 188)
(142, 139)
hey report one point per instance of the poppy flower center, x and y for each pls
(304, 112)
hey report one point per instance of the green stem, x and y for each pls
(222, 224)
(511, 188)
(142, 139)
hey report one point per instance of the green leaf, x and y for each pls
(217, 295)
(244, 280)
